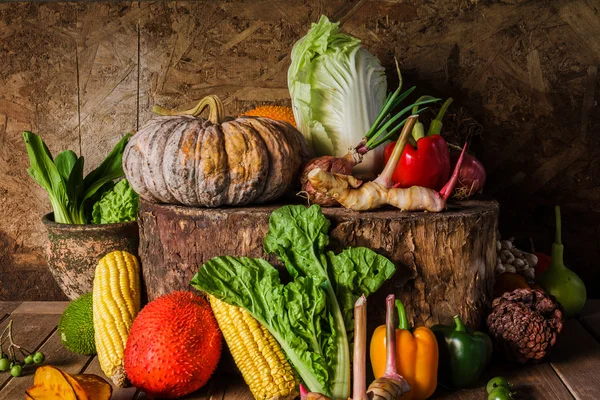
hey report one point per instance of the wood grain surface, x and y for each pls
(570, 373)
(523, 75)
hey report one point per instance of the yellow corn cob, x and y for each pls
(116, 303)
(256, 353)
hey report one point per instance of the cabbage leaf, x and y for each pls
(337, 89)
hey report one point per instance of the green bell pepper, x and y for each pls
(463, 355)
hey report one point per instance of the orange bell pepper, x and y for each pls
(416, 356)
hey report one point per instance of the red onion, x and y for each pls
(471, 176)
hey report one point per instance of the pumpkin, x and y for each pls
(179, 158)
(280, 113)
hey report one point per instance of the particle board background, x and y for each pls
(524, 75)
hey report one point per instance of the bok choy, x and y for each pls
(71, 195)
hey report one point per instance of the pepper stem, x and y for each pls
(460, 326)
(435, 128)
(402, 320)
(418, 131)
(214, 104)
(390, 337)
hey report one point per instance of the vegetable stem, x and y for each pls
(558, 249)
(387, 105)
(451, 184)
(418, 131)
(558, 234)
(359, 391)
(214, 104)
(390, 335)
(460, 326)
(435, 128)
(387, 125)
(402, 320)
(385, 178)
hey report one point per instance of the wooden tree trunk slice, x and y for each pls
(445, 261)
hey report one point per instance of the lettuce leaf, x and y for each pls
(295, 314)
(314, 318)
(119, 204)
(337, 89)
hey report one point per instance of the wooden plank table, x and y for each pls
(573, 371)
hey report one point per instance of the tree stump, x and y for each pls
(445, 261)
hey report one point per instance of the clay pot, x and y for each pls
(73, 251)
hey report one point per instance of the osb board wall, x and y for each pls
(82, 74)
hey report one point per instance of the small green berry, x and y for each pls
(497, 382)
(28, 360)
(16, 370)
(4, 364)
(38, 357)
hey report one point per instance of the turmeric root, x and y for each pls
(371, 195)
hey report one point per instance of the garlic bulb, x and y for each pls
(511, 259)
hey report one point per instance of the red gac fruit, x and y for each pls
(174, 346)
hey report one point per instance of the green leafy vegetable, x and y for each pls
(62, 178)
(43, 170)
(337, 89)
(310, 316)
(120, 204)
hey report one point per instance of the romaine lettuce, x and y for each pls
(310, 316)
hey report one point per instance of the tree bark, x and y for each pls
(445, 261)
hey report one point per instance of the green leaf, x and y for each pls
(43, 170)
(295, 313)
(357, 271)
(75, 190)
(318, 303)
(109, 170)
(120, 204)
(298, 236)
(64, 162)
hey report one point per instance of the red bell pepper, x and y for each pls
(428, 163)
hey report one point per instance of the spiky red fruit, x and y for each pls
(174, 346)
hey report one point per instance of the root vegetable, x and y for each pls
(391, 385)
(471, 176)
(348, 191)
(335, 165)
(380, 131)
